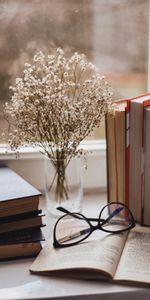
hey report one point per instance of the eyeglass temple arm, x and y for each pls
(64, 210)
(114, 213)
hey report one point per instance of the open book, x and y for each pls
(119, 257)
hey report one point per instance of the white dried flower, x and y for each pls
(57, 103)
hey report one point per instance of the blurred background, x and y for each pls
(113, 34)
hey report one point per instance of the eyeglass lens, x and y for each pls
(116, 217)
(71, 228)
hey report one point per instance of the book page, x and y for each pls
(100, 252)
(135, 260)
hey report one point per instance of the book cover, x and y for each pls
(22, 221)
(20, 216)
(16, 194)
(23, 243)
(13, 186)
(22, 236)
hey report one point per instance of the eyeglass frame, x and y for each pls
(92, 227)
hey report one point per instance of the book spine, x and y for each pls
(107, 165)
(111, 158)
(143, 165)
(127, 152)
(145, 129)
(146, 167)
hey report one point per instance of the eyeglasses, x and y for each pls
(73, 228)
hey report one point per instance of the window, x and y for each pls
(113, 34)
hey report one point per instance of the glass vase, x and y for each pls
(63, 185)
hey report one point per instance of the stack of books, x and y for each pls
(128, 155)
(20, 217)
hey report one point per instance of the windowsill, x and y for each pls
(30, 165)
(94, 147)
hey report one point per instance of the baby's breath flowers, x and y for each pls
(56, 104)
